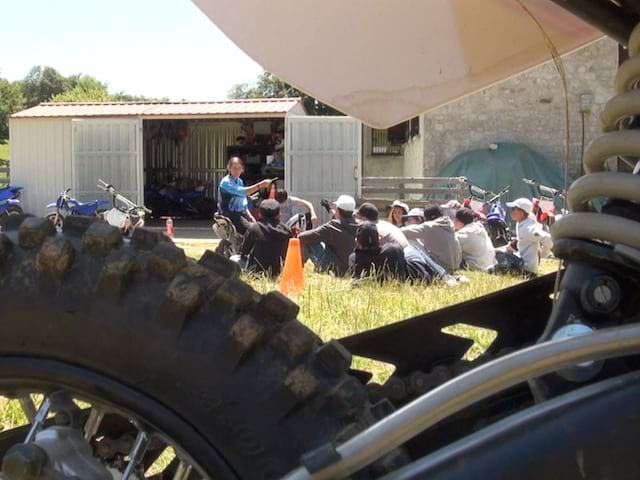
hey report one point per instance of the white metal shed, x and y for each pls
(70, 145)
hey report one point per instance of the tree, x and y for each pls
(270, 86)
(125, 97)
(11, 101)
(86, 89)
(42, 84)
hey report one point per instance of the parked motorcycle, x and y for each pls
(9, 203)
(231, 241)
(490, 211)
(544, 205)
(124, 214)
(174, 200)
(65, 205)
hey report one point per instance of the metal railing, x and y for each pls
(415, 189)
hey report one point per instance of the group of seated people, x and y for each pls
(416, 245)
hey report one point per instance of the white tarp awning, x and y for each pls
(384, 61)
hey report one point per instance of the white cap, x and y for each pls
(523, 204)
(401, 204)
(346, 203)
(415, 212)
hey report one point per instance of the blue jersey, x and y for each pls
(232, 196)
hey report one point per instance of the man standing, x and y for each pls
(389, 233)
(532, 240)
(329, 246)
(232, 195)
(477, 250)
(265, 243)
(438, 237)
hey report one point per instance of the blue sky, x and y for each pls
(145, 47)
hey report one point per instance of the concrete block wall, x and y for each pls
(527, 109)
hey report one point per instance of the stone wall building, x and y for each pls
(528, 109)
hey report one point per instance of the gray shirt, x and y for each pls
(338, 235)
(438, 237)
(389, 233)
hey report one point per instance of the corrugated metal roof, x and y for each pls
(223, 108)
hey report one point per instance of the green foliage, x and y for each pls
(86, 89)
(11, 101)
(125, 97)
(270, 86)
(4, 157)
(42, 84)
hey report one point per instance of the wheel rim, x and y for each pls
(154, 443)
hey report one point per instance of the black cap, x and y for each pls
(269, 208)
(465, 215)
(367, 236)
(369, 212)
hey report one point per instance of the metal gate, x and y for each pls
(323, 157)
(109, 149)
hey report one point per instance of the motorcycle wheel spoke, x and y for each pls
(183, 471)
(93, 422)
(137, 452)
(39, 420)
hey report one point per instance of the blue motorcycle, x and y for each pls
(65, 205)
(9, 203)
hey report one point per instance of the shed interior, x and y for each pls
(185, 159)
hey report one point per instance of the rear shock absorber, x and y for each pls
(601, 247)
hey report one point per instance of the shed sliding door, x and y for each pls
(109, 149)
(323, 158)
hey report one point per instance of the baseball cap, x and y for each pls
(367, 236)
(346, 203)
(269, 208)
(523, 204)
(402, 205)
(414, 212)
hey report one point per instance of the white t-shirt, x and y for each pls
(533, 241)
(477, 250)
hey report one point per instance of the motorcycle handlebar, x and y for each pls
(477, 190)
(543, 189)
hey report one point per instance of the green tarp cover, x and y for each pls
(495, 169)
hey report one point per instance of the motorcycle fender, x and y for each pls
(116, 218)
(52, 205)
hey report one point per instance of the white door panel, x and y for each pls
(323, 158)
(107, 149)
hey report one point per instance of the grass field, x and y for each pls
(4, 152)
(4, 157)
(333, 308)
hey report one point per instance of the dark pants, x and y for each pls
(322, 258)
(239, 220)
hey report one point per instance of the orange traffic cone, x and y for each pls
(292, 277)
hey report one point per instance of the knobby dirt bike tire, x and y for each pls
(244, 381)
